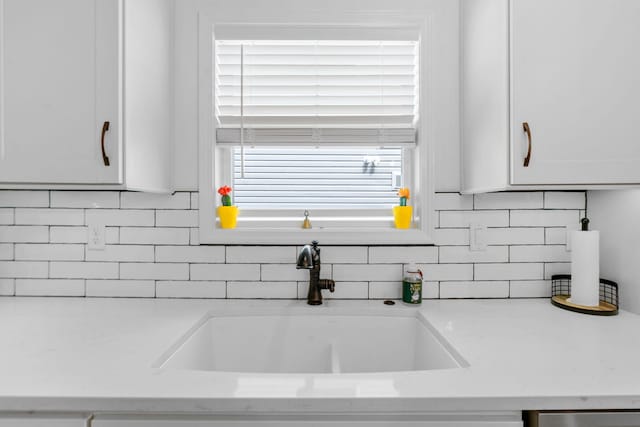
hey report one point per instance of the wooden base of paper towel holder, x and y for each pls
(604, 309)
(561, 292)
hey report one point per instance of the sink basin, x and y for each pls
(311, 343)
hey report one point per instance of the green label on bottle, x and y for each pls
(412, 292)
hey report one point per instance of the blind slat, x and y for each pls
(334, 82)
(324, 136)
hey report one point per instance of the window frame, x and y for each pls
(212, 168)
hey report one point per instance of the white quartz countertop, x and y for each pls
(96, 355)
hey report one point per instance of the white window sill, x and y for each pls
(298, 236)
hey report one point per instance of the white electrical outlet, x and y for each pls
(96, 237)
(569, 229)
(477, 237)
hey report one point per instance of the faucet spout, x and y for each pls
(305, 258)
(309, 259)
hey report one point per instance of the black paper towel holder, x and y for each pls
(561, 292)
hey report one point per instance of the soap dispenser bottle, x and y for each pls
(412, 285)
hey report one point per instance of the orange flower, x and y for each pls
(224, 190)
(404, 192)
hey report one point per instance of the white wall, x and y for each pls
(445, 20)
(617, 215)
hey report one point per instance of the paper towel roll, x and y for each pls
(585, 268)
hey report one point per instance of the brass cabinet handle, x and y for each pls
(105, 158)
(527, 129)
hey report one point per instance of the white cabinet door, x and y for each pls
(43, 421)
(59, 83)
(575, 80)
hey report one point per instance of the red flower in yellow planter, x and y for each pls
(224, 192)
(227, 213)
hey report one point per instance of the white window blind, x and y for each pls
(311, 178)
(316, 92)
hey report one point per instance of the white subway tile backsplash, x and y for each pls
(154, 271)
(344, 254)
(393, 290)
(462, 254)
(50, 287)
(6, 251)
(134, 200)
(515, 236)
(275, 290)
(508, 271)
(24, 234)
(7, 287)
(462, 219)
(553, 268)
(120, 217)
(64, 234)
(85, 199)
(67, 234)
(83, 270)
(540, 253)
(49, 252)
(476, 289)
(225, 272)
(154, 236)
(123, 253)
(346, 290)
(40, 216)
(430, 290)
(386, 290)
(194, 236)
(192, 254)
(366, 272)
(544, 218)
(23, 269)
(191, 289)
(403, 254)
(121, 288)
(510, 200)
(453, 202)
(152, 250)
(446, 272)
(24, 199)
(262, 254)
(176, 218)
(7, 216)
(289, 272)
(555, 236)
(451, 236)
(530, 289)
(564, 200)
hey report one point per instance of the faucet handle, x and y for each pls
(327, 284)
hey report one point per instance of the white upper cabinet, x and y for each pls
(564, 72)
(63, 100)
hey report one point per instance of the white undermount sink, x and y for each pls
(306, 342)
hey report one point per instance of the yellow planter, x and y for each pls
(402, 216)
(228, 216)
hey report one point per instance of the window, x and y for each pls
(364, 178)
(325, 125)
